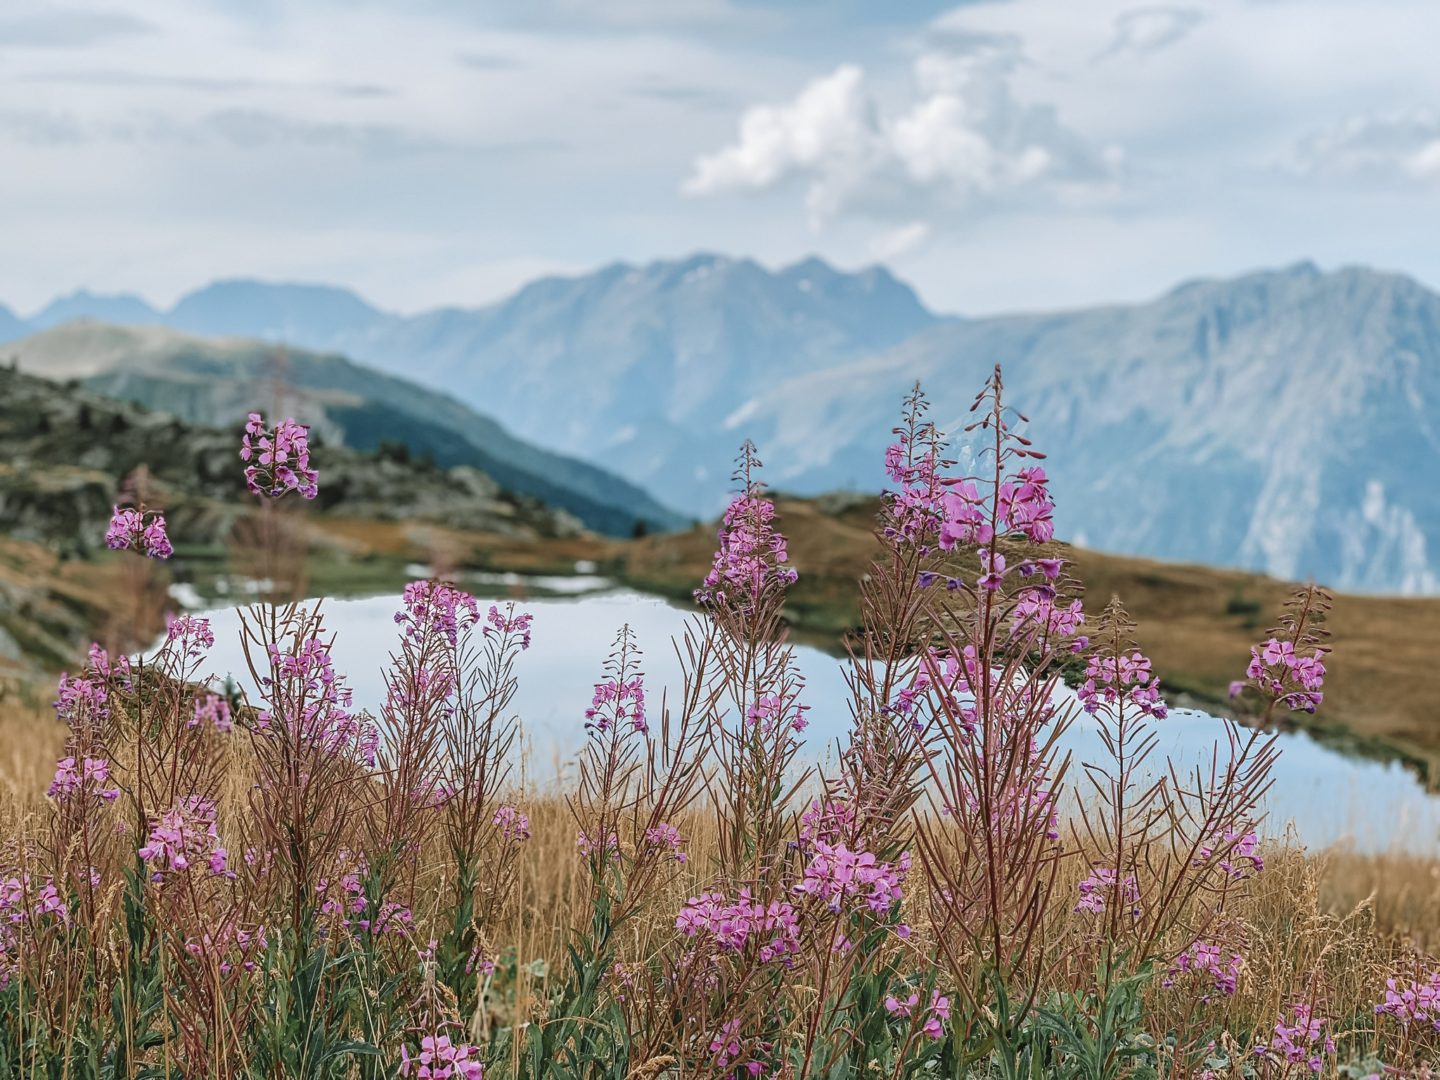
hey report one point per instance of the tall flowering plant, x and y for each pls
(640, 770)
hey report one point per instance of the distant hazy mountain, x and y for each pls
(1286, 421)
(11, 326)
(216, 382)
(120, 308)
(315, 316)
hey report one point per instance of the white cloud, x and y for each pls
(901, 241)
(1387, 146)
(1146, 30)
(964, 136)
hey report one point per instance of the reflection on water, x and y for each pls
(1327, 797)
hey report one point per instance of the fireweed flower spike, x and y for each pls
(139, 530)
(281, 458)
(1287, 670)
(752, 556)
(1303, 1041)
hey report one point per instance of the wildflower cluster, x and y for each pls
(1302, 1041)
(90, 777)
(139, 530)
(214, 710)
(618, 700)
(1296, 680)
(667, 838)
(753, 556)
(1209, 961)
(774, 928)
(1103, 884)
(191, 635)
(281, 456)
(441, 1059)
(514, 825)
(1416, 1002)
(936, 1016)
(1114, 681)
(916, 511)
(184, 836)
(509, 623)
(439, 607)
(835, 873)
(320, 701)
(1241, 856)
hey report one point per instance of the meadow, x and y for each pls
(199, 882)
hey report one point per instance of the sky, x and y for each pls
(999, 154)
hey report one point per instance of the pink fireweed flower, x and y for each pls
(966, 521)
(1294, 680)
(944, 685)
(281, 456)
(772, 713)
(751, 558)
(934, 1025)
(937, 1016)
(830, 821)
(1111, 681)
(725, 1047)
(1025, 505)
(235, 946)
(104, 666)
(835, 873)
(185, 835)
(212, 709)
(346, 896)
(917, 509)
(1304, 1041)
(992, 568)
(1241, 860)
(1101, 884)
(616, 701)
(1038, 616)
(90, 777)
(322, 706)
(588, 845)
(138, 530)
(392, 918)
(440, 1059)
(774, 927)
(438, 606)
(510, 624)
(193, 635)
(80, 700)
(1207, 960)
(1415, 1002)
(21, 902)
(513, 825)
(668, 837)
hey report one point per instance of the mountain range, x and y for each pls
(1286, 421)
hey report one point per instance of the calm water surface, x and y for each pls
(1323, 795)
